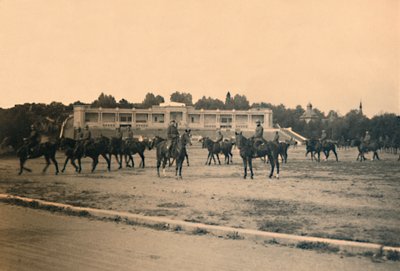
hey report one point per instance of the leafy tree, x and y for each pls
(105, 101)
(183, 97)
(240, 102)
(209, 103)
(124, 104)
(151, 100)
(228, 101)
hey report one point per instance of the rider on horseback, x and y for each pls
(257, 138)
(172, 135)
(219, 137)
(84, 139)
(276, 137)
(367, 139)
(33, 140)
(323, 138)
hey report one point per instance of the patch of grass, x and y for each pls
(319, 246)
(234, 236)
(272, 241)
(171, 205)
(393, 255)
(177, 228)
(36, 205)
(280, 225)
(200, 231)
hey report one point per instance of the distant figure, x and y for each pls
(258, 135)
(323, 136)
(219, 137)
(118, 133)
(87, 135)
(276, 137)
(129, 133)
(172, 135)
(33, 140)
(78, 134)
(367, 138)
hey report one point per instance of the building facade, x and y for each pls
(159, 117)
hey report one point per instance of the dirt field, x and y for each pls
(345, 200)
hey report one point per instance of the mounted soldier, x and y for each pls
(219, 136)
(129, 135)
(276, 137)
(258, 135)
(367, 139)
(172, 135)
(33, 140)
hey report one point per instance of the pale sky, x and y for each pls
(330, 53)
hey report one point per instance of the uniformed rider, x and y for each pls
(172, 135)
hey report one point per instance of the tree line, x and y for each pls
(15, 122)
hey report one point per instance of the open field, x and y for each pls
(345, 200)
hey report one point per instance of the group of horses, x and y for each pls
(268, 151)
(105, 147)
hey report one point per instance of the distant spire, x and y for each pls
(360, 111)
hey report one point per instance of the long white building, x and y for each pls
(158, 117)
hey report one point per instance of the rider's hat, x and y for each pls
(87, 126)
(258, 121)
(172, 120)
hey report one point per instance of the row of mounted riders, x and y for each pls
(167, 150)
(250, 148)
(315, 147)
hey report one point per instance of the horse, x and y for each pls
(214, 148)
(95, 148)
(365, 148)
(226, 149)
(73, 150)
(316, 147)
(282, 150)
(133, 146)
(248, 151)
(116, 150)
(46, 149)
(178, 152)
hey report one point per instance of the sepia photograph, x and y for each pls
(200, 135)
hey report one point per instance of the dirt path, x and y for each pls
(346, 200)
(38, 240)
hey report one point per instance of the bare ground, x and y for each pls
(346, 200)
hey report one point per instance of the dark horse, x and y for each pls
(115, 149)
(95, 148)
(282, 150)
(314, 146)
(215, 148)
(178, 152)
(47, 149)
(248, 151)
(364, 148)
(133, 146)
(73, 151)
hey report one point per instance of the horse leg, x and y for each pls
(142, 157)
(158, 166)
(95, 162)
(245, 167)
(53, 159)
(272, 163)
(277, 168)
(47, 164)
(22, 167)
(230, 153)
(163, 165)
(219, 162)
(79, 165)
(334, 152)
(208, 161)
(107, 160)
(250, 161)
(65, 163)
